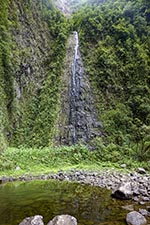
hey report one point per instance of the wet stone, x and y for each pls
(135, 218)
(136, 199)
(144, 212)
(34, 220)
(63, 220)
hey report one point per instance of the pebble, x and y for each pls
(144, 212)
(141, 170)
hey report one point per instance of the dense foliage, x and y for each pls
(5, 73)
(17, 161)
(38, 124)
(115, 43)
(33, 36)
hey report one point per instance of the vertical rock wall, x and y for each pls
(77, 122)
(32, 47)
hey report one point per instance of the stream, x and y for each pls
(90, 205)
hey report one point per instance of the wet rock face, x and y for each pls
(81, 124)
(32, 42)
(63, 220)
(82, 118)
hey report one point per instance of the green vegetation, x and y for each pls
(5, 73)
(48, 160)
(115, 45)
(37, 124)
(32, 49)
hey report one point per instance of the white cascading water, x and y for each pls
(81, 124)
(73, 92)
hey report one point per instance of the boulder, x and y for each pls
(124, 191)
(135, 218)
(63, 220)
(34, 220)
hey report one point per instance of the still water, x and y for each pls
(90, 205)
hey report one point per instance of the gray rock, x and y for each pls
(18, 168)
(136, 192)
(146, 199)
(143, 192)
(124, 191)
(135, 218)
(123, 165)
(144, 212)
(34, 220)
(142, 203)
(136, 199)
(141, 170)
(63, 220)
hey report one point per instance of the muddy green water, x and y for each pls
(90, 205)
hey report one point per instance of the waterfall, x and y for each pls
(74, 92)
(77, 122)
(82, 118)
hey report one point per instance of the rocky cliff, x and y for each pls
(32, 34)
(64, 6)
(77, 117)
(43, 95)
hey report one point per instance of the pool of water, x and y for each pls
(90, 205)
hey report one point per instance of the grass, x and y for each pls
(50, 160)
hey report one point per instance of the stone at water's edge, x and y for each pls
(124, 191)
(34, 220)
(63, 220)
(58, 220)
(135, 218)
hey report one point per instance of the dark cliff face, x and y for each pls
(30, 40)
(83, 123)
(77, 120)
(32, 44)
(42, 96)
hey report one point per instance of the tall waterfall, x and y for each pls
(78, 119)
(82, 117)
(74, 92)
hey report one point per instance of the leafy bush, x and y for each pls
(115, 49)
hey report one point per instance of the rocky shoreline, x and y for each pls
(139, 184)
(132, 185)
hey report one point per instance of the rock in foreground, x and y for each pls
(34, 220)
(63, 220)
(124, 191)
(135, 218)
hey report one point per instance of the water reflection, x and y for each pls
(90, 205)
